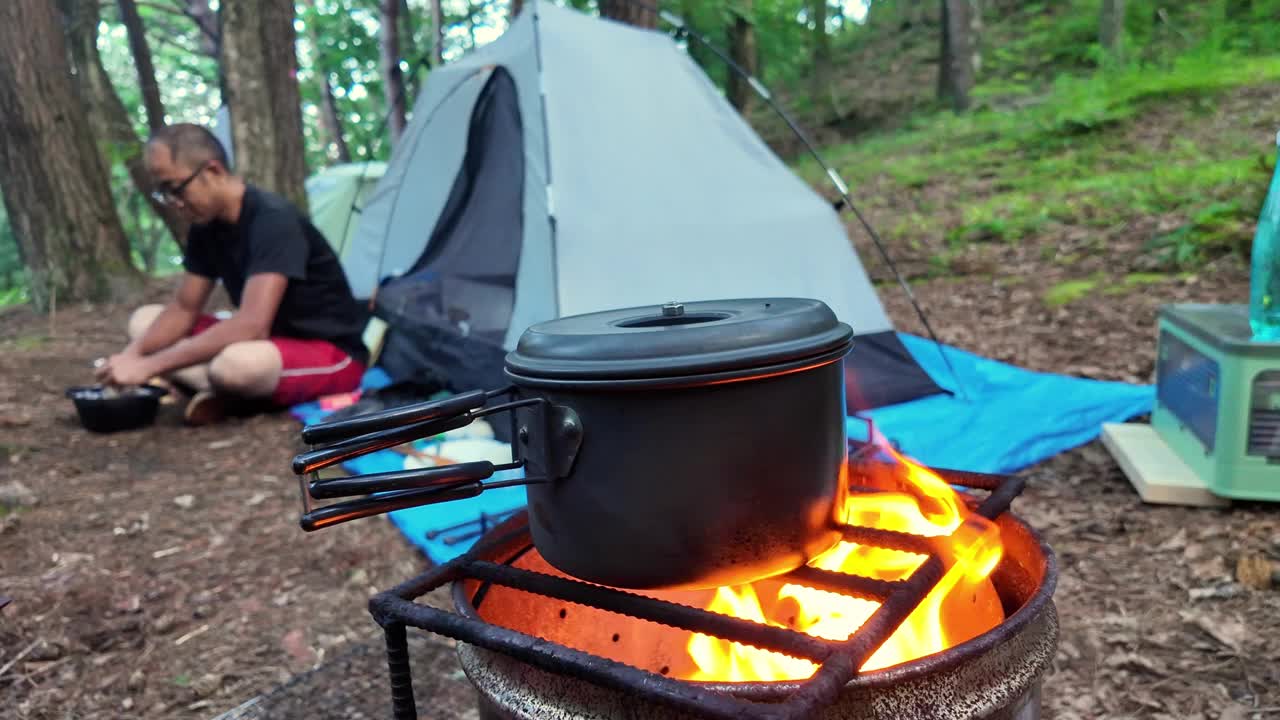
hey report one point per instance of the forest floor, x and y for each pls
(162, 574)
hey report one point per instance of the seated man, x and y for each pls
(297, 330)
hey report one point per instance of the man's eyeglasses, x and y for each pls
(166, 194)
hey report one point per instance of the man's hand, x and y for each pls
(126, 369)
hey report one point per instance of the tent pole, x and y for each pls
(683, 30)
(546, 159)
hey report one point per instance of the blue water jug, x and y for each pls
(1264, 281)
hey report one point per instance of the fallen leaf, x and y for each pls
(1213, 568)
(185, 501)
(1177, 542)
(1234, 712)
(1133, 661)
(256, 499)
(1230, 633)
(1254, 571)
(207, 684)
(14, 493)
(295, 643)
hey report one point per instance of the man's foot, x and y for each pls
(205, 408)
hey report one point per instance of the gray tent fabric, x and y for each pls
(638, 184)
(221, 129)
(466, 277)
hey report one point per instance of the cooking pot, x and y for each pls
(675, 446)
(107, 409)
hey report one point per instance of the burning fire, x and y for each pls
(961, 606)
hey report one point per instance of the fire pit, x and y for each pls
(937, 605)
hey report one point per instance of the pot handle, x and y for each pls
(309, 462)
(552, 433)
(432, 477)
(394, 418)
(338, 513)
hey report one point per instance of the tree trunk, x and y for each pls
(437, 33)
(111, 124)
(330, 122)
(409, 31)
(742, 48)
(629, 13)
(207, 21)
(262, 91)
(55, 186)
(975, 36)
(1111, 28)
(514, 12)
(955, 65)
(392, 77)
(224, 91)
(821, 88)
(409, 50)
(142, 62)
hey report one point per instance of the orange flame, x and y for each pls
(961, 606)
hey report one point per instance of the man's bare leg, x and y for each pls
(249, 369)
(195, 377)
(243, 371)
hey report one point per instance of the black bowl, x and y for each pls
(105, 410)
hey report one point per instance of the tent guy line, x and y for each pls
(683, 29)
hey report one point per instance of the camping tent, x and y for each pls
(577, 164)
(221, 129)
(336, 196)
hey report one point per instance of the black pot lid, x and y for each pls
(679, 339)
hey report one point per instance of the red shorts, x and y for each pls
(311, 368)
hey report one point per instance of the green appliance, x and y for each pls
(1218, 399)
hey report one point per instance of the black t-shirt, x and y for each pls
(272, 236)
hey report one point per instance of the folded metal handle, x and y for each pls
(356, 509)
(445, 475)
(337, 430)
(554, 451)
(314, 460)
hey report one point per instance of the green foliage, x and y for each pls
(1056, 137)
(13, 287)
(1059, 137)
(1212, 230)
(348, 54)
(1069, 291)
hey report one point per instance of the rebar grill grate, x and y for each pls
(838, 661)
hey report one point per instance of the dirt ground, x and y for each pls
(162, 574)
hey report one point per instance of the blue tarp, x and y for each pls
(1005, 419)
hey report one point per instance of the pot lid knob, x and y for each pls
(673, 309)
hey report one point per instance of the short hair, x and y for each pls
(190, 143)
